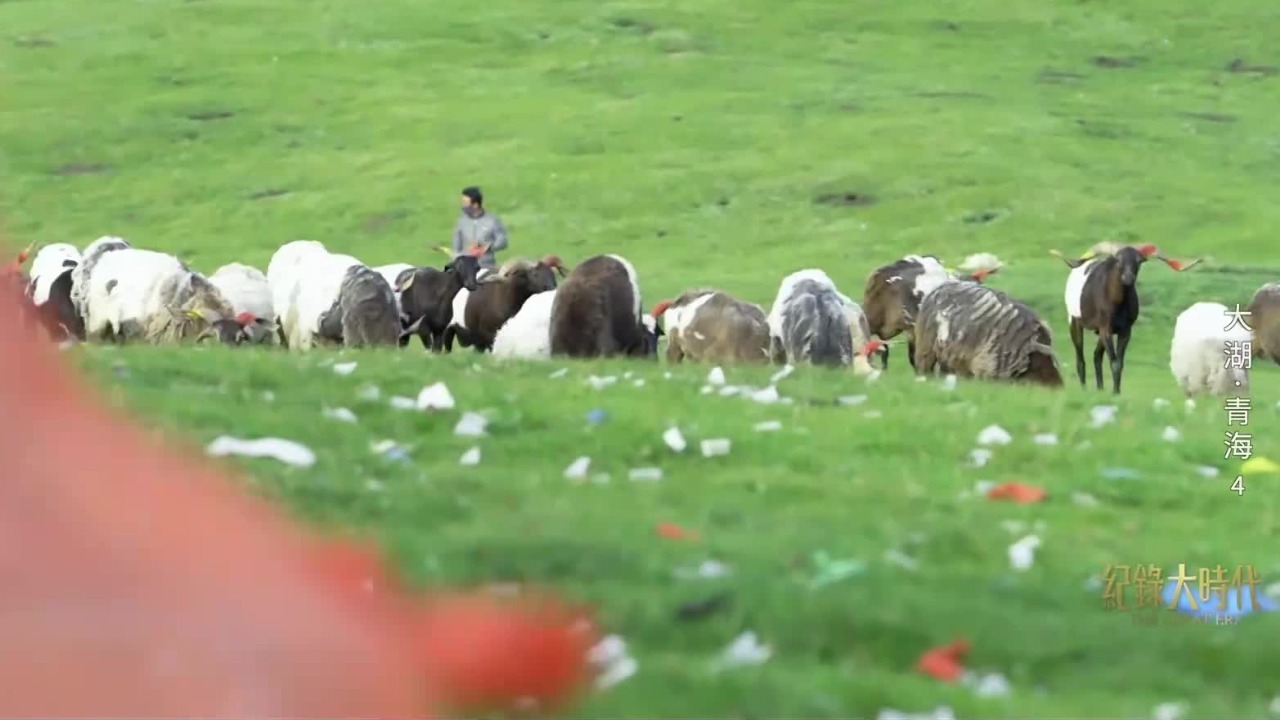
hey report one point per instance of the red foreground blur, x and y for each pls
(137, 580)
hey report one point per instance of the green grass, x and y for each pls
(694, 139)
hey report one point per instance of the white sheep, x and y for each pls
(153, 296)
(527, 334)
(305, 287)
(1198, 353)
(50, 262)
(93, 252)
(248, 291)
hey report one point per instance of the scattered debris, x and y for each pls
(577, 469)
(994, 435)
(982, 487)
(766, 396)
(648, 474)
(707, 570)
(599, 383)
(345, 368)
(671, 531)
(286, 451)
(268, 396)
(827, 571)
(945, 662)
(597, 416)
(949, 382)
(1045, 439)
(852, 399)
(872, 414)
(399, 402)
(1207, 471)
(1189, 404)
(1274, 708)
(435, 397)
(1017, 492)
(1120, 473)
(612, 661)
(1170, 434)
(987, 684)
(767, 426)
(390, 450)
(370, 392)
(340, 414)
(1169, 711)
(559, 373)
(471, 425)
(716, 376)
(745, 650)
(674, 439)
(1084, 499)
(893, 556)
(1102, 414)
(638, 382)
(1159, 403)
(979, 457)
(939, 713)
(781, 374)
(470, 457)
(1022, 554)
(715, 447)
(374, 486)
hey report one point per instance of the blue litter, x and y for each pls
(1212, 606)
(597, 416)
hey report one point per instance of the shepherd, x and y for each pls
(478, 232)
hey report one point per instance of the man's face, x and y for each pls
(466, 203)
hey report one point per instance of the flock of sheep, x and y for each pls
(309, 296)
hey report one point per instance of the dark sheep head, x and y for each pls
(465, 268)
(229, 331)
(650, 331)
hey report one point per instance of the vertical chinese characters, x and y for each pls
(1239, 356)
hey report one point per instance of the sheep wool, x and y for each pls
(318, 279)
(47, 266)
(81, 274)
(246, 288)
(365, 310)
(1198, 353)
(527, 335)
(810, 321)
(974, 331)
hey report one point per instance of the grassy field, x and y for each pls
(720, 144)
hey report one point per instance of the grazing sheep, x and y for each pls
(249, 294)
(283, 272)
(305, 279)
(49, 289)
(1198, 353)
(365, 314)
(705, 325)
(978, 332)
(140, 294)
(810, 322)
(892, 295)
(428, 298)
(497, 299)
(1264, 322)
(527, 334)
(1101, 295)
(597, 312)
(80, 275)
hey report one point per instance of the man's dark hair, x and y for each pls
(474, 194)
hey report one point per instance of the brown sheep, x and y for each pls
(498, 297)
(597, 312)
(705, 325)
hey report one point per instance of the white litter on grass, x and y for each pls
(745, 650)
(674, 439)
(1189, 404)
(612, 661)
(559, 373)
(374, 486)
(1022, 554)
(369, 392)
(286, 451)
(1159, 403)
(921, 378)
(435, 397)
(1274, 708)
(400, 402)
(268, 396)
(706, 390)
(874, 376)
(897, 557)
(667, 375)
(766, 396)
(708, 570)
(939, 713)
(1170, 434)
(1045, 439)
(994, 435)
(638, 382)
(345, 368)
(340, 414)
(1100, 415)
(784, 372)
(979, 457)
(872, 414)
(982, 487)
(1169, 711)
(1207, 471)
(767, 426)
(471, 425)
(649, 474)
(991, 685)
(470, 457)
(599, 383)
(1084, 499)
(728, 390)
(715, 447)
(577, 469)
(949, 382)
(716, 376)
(852, 399)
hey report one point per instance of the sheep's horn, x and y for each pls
(1178, 265)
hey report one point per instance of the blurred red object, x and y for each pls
(140, 582)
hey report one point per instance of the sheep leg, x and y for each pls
(446, 338)
(885, 354)
(911, 354)
(675, 353)
(433, 341)
(1116, 346)
(1097, 357)
(1077, 340)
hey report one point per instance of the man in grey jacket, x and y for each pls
(478, 228)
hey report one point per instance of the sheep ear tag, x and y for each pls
(193, 314)
(245, 318)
